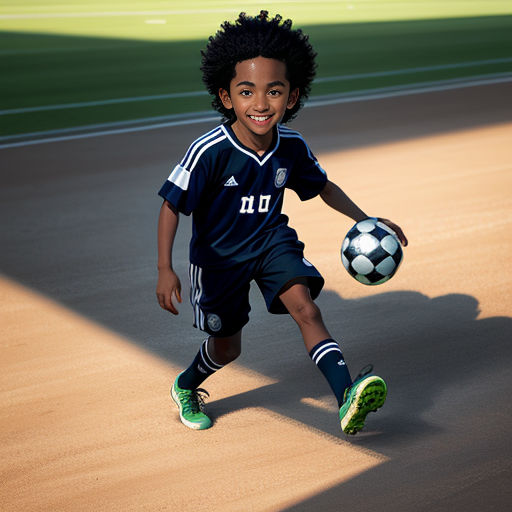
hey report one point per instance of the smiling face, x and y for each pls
(259, 94)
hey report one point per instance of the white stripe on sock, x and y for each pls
(203, 358)
(332, 349)
(319, 349)
(205, 344)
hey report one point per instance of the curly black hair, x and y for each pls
(254, 36)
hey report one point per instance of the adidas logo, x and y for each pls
(341, 363)
(231, 182)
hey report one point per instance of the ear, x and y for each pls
(225, 98)
(293, 97)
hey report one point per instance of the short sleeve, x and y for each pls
(308, 178)
(185, 186)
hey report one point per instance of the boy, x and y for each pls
(259, 70)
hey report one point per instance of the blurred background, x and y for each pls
(104, 62)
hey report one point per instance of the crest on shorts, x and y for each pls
(280, 178)
(214, 322)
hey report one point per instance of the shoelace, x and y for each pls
(194, 400)
(363, 373)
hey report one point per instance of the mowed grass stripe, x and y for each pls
(163, 77)
(110, 14)
(301, 11)
(190, 94)
(203, 117)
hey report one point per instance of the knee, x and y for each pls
(225, 350)
(306, 313)
(231, 353)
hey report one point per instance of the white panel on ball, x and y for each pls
(345, 262)
(385, 227)
(362, 265)
(366, 226)
(389, 244)
(366, 243)
(386, 266)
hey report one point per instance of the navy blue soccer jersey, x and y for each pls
(236, 196)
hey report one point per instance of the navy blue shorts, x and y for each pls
(220, 298)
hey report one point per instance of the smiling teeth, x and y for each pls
(260, 119)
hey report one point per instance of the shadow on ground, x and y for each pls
(81, 223)
(422, 346)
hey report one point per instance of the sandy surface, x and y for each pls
(86, 422)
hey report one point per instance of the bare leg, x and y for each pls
(306, 313)
(223, 350)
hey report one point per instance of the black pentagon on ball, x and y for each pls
(371, 252)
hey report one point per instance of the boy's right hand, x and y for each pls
(167, 286)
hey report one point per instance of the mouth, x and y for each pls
(261, 120)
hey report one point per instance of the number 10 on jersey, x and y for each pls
(248, 204)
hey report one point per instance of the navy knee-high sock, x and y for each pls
(201, 368)
(329, 359)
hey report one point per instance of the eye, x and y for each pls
(274, 92)
(245, 92)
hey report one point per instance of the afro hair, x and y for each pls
(254, 36)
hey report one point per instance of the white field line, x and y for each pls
(108, 14)
(85, 14)
(405, 90)
(370, 94)
(68, 49)
(189, 94)
(455, 65)
(116, 124)
(112, 101)
(117, 131)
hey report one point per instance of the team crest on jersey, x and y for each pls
(214, 322)
(280, 178)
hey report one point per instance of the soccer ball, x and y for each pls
(371, 252)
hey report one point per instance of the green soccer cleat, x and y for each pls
(191, 406)
(367, 394)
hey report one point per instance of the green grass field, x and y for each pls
(90, 51)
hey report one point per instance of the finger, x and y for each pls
(178, 295)
(398, 231)
(170, 305)
(401, 236)
(161, 301)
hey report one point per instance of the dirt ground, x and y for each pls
(87, 357)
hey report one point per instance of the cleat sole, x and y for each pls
(370, 396)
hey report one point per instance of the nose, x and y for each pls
(261, 102)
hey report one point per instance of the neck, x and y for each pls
(258, 143)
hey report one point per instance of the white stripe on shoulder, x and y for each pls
(204, 148)
(288, 131)
(292, 135)
(197, 144)
(180, 175)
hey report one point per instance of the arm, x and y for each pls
(333, 196)
(168, 282)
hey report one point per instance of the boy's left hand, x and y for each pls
(397, 229)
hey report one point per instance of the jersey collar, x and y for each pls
(230, 134)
